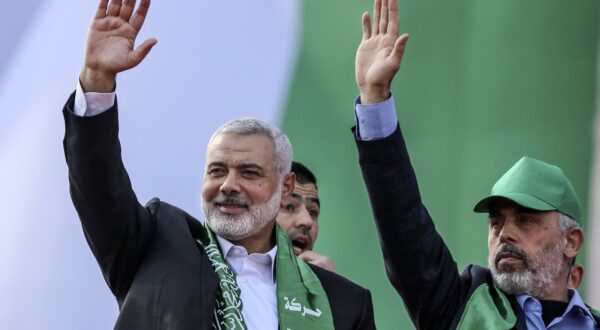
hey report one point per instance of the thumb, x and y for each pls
(142, 50)
(399, 47)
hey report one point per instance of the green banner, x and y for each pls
(482, 83)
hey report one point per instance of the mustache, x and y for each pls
(230, 199)
(299, 231)
(510, 248)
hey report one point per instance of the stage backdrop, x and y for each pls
(482, 84)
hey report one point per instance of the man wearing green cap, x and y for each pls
(534, 233)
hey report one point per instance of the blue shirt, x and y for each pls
(576, 316)
(375, 121)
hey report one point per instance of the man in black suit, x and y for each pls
(533, 237)
(166, 269)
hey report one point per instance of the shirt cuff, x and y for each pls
(92, 103)
(375, 121)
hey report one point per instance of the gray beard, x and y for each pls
(241, 226)
(537, 276)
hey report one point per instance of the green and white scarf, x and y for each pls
(301, 300)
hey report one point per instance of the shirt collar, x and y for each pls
(226, 247)
(576, 303)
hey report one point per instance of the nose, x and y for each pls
(230, 184)
(508, 232)
(304, 219)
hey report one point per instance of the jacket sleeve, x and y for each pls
(116, 227)
(417, 261)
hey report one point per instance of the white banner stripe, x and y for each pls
(592, 234)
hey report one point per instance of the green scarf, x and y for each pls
(301, 300)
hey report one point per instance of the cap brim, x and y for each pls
(524, 200)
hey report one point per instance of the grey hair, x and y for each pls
(282, 157)
(566, 223)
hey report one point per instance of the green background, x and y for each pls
(482, 83)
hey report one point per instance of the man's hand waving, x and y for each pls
(110, 43)
(380, 52)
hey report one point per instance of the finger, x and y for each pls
(142, 50)
(114, 8)
(101, 12)
(399, 47)
(127, 9)
(309, 256)
(137, 20)
(366, 26)
(376, 14)
(297, 250)
(394, 24)
(383, 20)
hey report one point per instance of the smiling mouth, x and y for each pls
(231, 208)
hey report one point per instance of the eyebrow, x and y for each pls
(246, 166)
(240, 166)
(308, 199)
(314, 200)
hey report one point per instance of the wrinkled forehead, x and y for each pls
(232, 148)
(306, 192)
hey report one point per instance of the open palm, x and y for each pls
(380, 52)
(111, 38)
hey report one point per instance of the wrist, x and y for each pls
(374, 94)
(97, 81)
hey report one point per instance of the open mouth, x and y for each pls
(300, 241)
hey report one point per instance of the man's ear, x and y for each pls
(289, 182)
(575, 276)
(574, 242)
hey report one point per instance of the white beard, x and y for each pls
(536, 278)
(240, 226)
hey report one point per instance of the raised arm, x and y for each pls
(110, 43)
(417, 261)
(116, 226)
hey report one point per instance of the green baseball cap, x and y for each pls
(536, 185)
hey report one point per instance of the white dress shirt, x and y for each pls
(255, 277)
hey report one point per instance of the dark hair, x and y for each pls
(303, 174)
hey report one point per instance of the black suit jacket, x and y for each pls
(161, 278)
(418, 262)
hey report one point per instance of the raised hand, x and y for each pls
(380, 52)
(110, 43)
